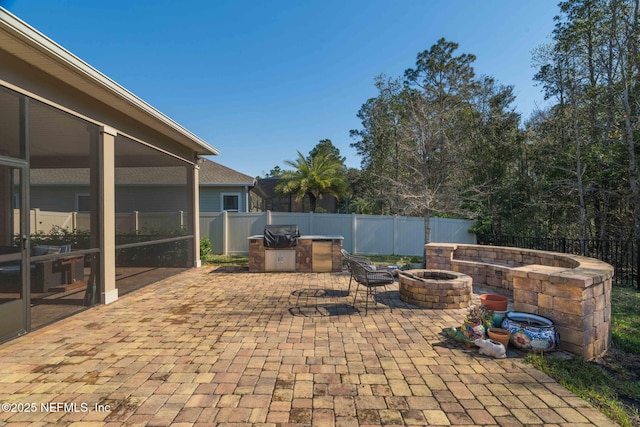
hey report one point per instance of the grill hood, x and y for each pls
(281, 236)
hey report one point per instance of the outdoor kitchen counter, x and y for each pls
(313, 253)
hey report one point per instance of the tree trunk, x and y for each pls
(629, 73)
(312, 202)
(634, 173)
(427, 228)
(582, 211)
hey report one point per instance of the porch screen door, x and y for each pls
(13, 262)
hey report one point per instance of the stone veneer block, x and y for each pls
(256, 256)
(304, 256)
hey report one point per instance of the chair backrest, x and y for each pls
(358, 271)
(347, 257)
(357, 258)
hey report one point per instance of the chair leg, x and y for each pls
(367, 290)
(350, 279)
(366, 301)
(389, 297)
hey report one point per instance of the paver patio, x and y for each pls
(219, 347)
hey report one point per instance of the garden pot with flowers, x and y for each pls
(479, 318)
(475, 325)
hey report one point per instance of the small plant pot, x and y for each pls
(498, 317)
(500, 335)
(473, 330)
(494, 302)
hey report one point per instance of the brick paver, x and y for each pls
(216, 347)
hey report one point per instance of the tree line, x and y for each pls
(441, 140)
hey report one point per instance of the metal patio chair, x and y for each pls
(371, 279)
(364, 260)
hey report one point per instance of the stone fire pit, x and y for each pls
(435, 288)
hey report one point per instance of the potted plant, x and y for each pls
(415, 263)
(479, 318)
(500, 335)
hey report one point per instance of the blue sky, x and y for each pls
(260, 79)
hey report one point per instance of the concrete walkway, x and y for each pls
(215, 347)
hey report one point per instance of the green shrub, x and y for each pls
(205, 247)
(78, 239)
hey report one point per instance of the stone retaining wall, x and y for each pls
(573, 291)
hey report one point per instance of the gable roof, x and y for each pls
(212, 173)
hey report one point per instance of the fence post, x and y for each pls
(268, 217)
(354, 233)
(136, 221)
(225, 232)
(311, 222)
(395, 234)
(36, 220)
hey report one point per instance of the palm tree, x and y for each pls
(321, 173)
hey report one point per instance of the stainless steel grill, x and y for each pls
(281, 236)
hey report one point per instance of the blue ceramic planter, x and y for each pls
(530, 332)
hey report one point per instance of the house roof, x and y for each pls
(164, 175)
(268, 186)
(31, 46)
(211, 174)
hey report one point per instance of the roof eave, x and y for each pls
(226, 184)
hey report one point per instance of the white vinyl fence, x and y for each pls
(363, 234)
(126, 222)
(228, 231)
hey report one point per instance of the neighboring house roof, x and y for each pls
(268, 186)
(133, 176)
(31, 46)
(62, 176)
(212, 174)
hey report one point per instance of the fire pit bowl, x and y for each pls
(439, 289)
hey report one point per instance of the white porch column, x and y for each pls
(195, 220)
(107, 182)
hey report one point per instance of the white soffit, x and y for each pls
(31, 46)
